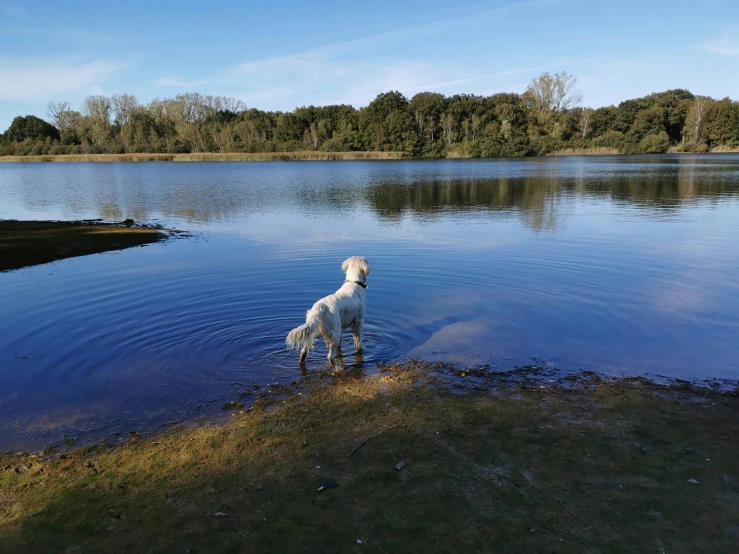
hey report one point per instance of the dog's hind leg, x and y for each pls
(357, 332)
(303, 354)
(332, 339)
(333, 348)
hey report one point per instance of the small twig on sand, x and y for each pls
(365, 440)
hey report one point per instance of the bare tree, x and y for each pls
(506, 129)
(448, 125)
(123, 107)
(97, 109)
(554, 93)
(314, 135)
(420, 120)
(585, 121)
(60, 115)
(696, 120)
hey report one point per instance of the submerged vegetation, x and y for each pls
(418, 456)
(547, 118)
(26, 243)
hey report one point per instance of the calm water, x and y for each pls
(621, 265)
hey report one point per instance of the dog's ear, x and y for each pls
(345, 265)
(363, 265)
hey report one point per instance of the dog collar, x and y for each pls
(360, 283)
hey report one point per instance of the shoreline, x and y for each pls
(210, 157)
(29, 243)
(306, 156)
(420, 453)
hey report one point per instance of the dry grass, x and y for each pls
(26, 243)
(724, 150)
(599, 151)
(597, 468)
(91, 158)
(211, 157)
(288, 156)
(457, 155)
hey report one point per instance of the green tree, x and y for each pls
(30, 128)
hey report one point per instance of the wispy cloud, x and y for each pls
(176, 82)
(354, 71)
(38, 80)
(506, 73)
(725, 46)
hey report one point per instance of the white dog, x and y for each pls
(334, 313)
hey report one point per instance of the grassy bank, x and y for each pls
(420, 458)
(210, 157)
(26, 243)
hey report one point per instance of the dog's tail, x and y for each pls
(305, 335)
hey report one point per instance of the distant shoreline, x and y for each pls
(209, 157)
(296, 156)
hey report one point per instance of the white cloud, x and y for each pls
(38, 80)
(350, 72)
(725, 46)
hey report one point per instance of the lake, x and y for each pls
(622, 265)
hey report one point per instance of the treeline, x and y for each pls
(545, 119)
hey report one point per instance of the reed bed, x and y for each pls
(599, 151)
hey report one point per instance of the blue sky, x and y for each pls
(279, 54)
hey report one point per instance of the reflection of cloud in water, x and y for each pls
(59, 419)
(680, 297)
(461, 342)
(703, 274)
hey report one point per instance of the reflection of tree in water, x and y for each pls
(536, 193)
(665, 191)
(535, 198)
(538, 198)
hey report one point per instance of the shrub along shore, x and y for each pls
(413, 457)
(547, 118)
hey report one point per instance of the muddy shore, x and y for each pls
(27, 243)
(417, 456)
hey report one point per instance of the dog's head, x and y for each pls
(356, 268)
